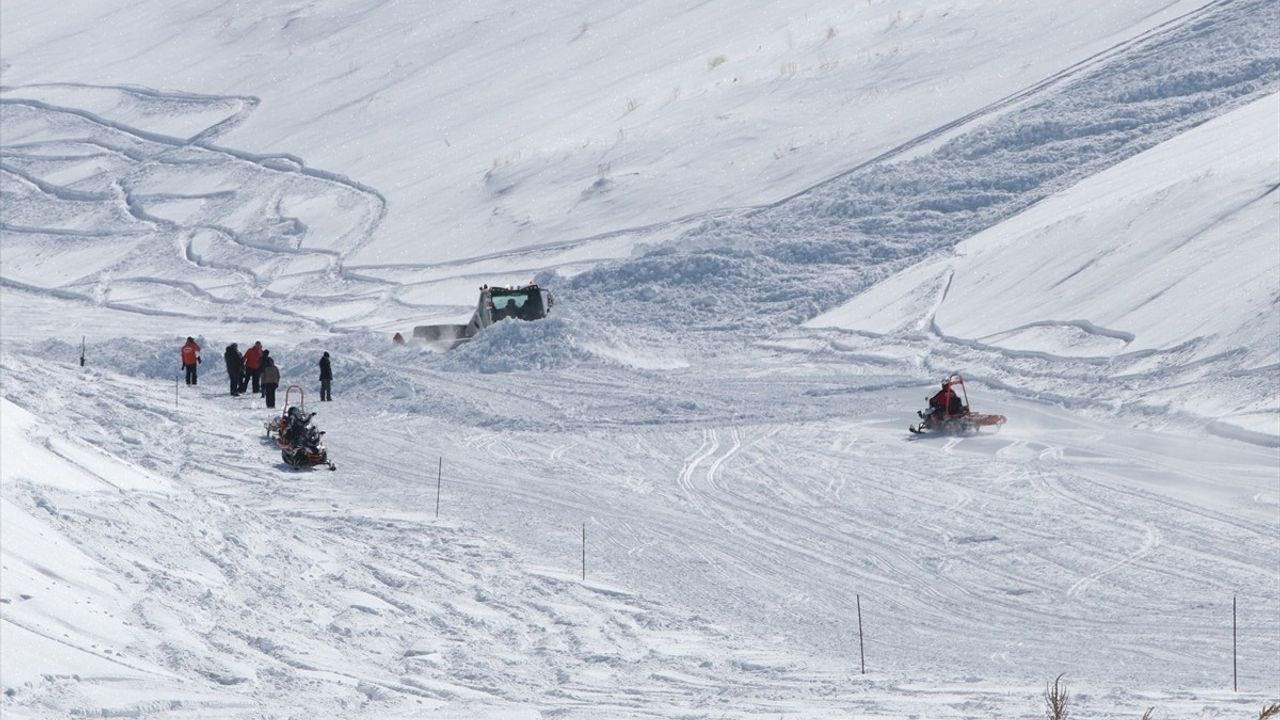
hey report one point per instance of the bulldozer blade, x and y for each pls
(441, 334)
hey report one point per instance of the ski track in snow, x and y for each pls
(233, 248)
(735, 504)
(974, 543)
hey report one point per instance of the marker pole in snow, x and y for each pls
(1235, 676)
(584, 552)
(439, 474)
(175, 391)
(861, 653)
(81, 351)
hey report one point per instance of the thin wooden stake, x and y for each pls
(861, 652)
(584, 552)
(1235, 677)
(439, 474)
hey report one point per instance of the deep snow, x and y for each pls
(769, 229)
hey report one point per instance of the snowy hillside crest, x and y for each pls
(771, 230)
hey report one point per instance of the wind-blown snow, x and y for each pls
(769, 229)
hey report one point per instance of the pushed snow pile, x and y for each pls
(716, 288)
(512, 345)
(147, 358)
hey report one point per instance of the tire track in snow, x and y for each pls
(151, 150)
(710, 443)
(1150, 541)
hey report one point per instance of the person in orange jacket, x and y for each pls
(191, 358)
(252, 367)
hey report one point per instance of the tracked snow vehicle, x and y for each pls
(525, 302)
(949, 412)
(299, 441)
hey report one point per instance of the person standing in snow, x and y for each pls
(235, 368)
(270, 378)
(326, 379)
(252, 368)
(190, 358)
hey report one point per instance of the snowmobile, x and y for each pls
(523, 302)
(307, 450)
(954, 417)
(299, 441)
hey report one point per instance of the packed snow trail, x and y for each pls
(741, 535)
(243, 585)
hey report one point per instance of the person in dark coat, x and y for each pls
(326, 379)
(191, 358)
(235, 368)
(270, 379)
(946, 403)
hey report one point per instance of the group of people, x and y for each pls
(253, 371)
(255, 367)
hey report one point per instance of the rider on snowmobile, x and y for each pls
(945, 403)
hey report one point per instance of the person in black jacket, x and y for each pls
(326, 379)
(235, 368)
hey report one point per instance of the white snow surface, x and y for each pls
(770, 228)
(1164, 262)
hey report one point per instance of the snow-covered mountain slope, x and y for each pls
(1161, 271)
(567, 120)
(770, 228)
(365, 162)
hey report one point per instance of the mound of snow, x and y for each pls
(512, 345)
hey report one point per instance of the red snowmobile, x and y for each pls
(949, 412)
